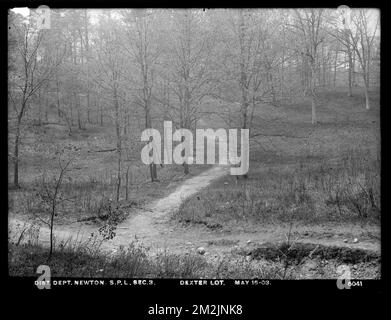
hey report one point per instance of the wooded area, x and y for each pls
(136, 68)
(304, 82)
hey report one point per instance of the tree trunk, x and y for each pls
(282, 69)
(153, 172)
(16, 156)
(127, 184)
(243, 77)
(312, 89)
(335, 67)
(118, 176)
(152, 166)
(101, 115)
(186, 168)
(118, 132)
(350, 74)
(79, 120)
(58, 97)
(323, 66)
(39, 107)
(353, 67)
(72, 118)
(87, 54)
(367, 105)
(51, 229)
(313, 107)
(47, 109)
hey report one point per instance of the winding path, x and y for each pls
(152, 226)
(147, 225)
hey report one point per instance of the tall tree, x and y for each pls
(186, 68)
(109, 76)
(362, 33)
(35, 66)
(309, 23)
(142, 46)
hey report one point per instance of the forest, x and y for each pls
(83, 84)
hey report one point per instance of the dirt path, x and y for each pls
(148, 225)
(152, 226)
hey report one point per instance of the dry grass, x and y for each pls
(90, 184)
(331, 173)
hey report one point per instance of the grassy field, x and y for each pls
(308, 175)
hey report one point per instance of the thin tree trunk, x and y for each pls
(118, 175)
(313, 107)
(72, 118)
(16, 155)
(118, 131)
(101, 115)
(350, 74)
(367, 104)
(51, 229)
(127, 184)
(39, 107)
(47, 109)
(58, 97)
(243, 77)
(152, 166)
(353, 67)
(323, 66)
(186, 170)
(79, 121)
(87, 51)
(313, 102)
(335, 67)
(282, 67)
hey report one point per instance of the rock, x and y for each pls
(345, 240)
(226, 183)
(201, 250)
(355, 240)
(249, 241)
(248, 258)
(355, 266)
(311, 265)
(189, 243)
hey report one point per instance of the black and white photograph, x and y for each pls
(224, 146)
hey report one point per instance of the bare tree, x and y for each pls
(109, 77)
(143, 50)
(185, 74)
(362, 34)
(33, 70)
(309, 23)
(51, 197)
(343, 37)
